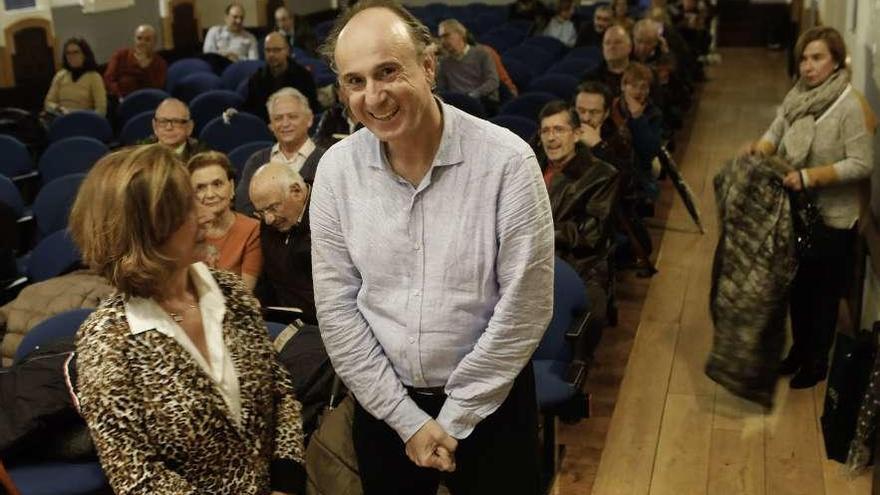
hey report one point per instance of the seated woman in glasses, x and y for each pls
(233, 239)
(173, 127)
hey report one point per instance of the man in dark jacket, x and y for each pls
(616, 51)
(281, 200)
(280, 71)
(583, 192)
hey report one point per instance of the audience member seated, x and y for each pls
(336, 123)
(464, 68)
(232, 239)
(297, 34)
(131, 69)
(616, 51)
(591, 33)
(280, 71)
(503, 75)
(232, 40)
(634, 109)
(530, 10)
(606, 140)
(669, 90)
(620, 13)
(172, 127)
(289, 120)
(177, 378)
(78, 85)
(281, 200)
(560, 25)
(583, 192)
(613, 144)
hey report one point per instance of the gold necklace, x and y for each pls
(178, 317)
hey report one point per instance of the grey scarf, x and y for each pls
(801, 108)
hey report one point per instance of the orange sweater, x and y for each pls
(239, 250)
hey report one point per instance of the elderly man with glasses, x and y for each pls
(172, 127)
(280, 197)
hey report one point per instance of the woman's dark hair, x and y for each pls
(832, 38)
(89, 63)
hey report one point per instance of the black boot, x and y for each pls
(808, 377)
(790, 365)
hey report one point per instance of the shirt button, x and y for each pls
(417, 293)
(416, 247)
(412, 340)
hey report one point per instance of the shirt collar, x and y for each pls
(449, 152)
(305, 150)
(180, 149)
(145, 314)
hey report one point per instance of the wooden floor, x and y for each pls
(658, 425)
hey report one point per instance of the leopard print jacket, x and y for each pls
(158, 422)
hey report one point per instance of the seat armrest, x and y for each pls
(281, 314)
(579, 326)
(576, 373)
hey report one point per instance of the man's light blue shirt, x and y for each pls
(448, 284)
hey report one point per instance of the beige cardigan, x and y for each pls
(86, 93)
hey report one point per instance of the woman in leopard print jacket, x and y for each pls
(178, 381)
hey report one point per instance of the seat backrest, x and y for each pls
(239, 71)
(140, 101)
(211, 104)
(537, 58)
(56, 327)
(593, 53)
(81, 123)
(574, 67)
(549, 43)
(527, 105)
(73, 155)
(464, 102)
(561, 85)
(137, 128)
(11, 196)
(569, 302)
(182, 68)
(14, 157)
(54, 255)
(521, 126)
(519, 71)
(53, 202)
(195, 84)
(242, 128)
(239, 156)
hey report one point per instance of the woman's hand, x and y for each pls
(793, 181)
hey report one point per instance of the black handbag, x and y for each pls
(807, 222)
(851, 367)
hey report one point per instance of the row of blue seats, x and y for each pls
(77, 150)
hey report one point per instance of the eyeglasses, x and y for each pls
(555, 130)
(269, 210)
(162, 122)
(73, 52)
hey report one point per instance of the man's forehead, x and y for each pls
(285, 105)
(172, 110)
(373, 33)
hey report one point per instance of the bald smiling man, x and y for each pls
(432, 256)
